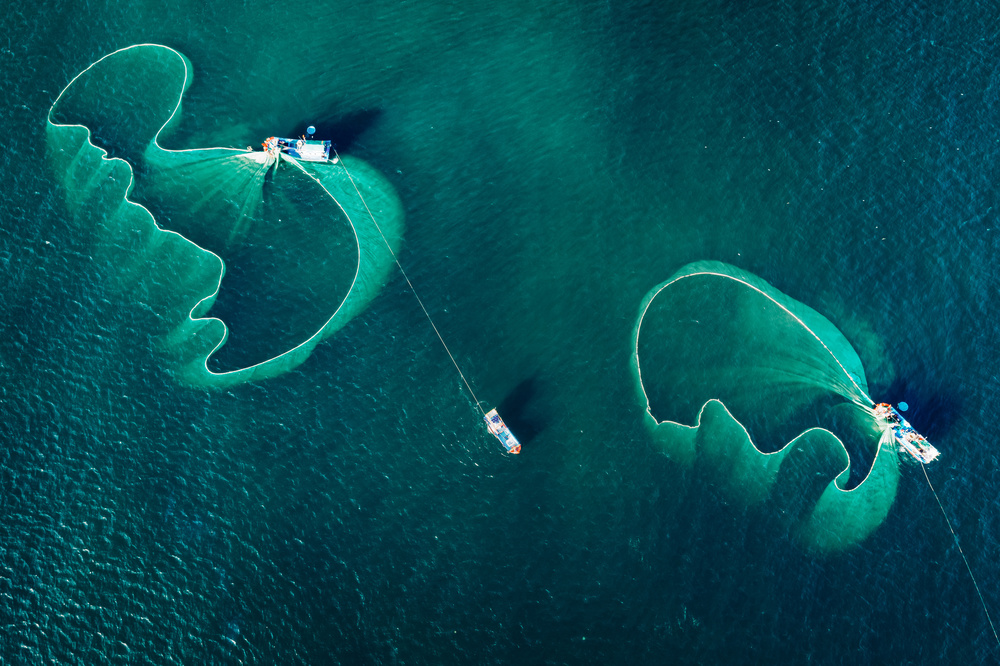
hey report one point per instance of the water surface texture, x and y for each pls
(554, 163)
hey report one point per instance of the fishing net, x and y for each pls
(763, 391)
(280, 255)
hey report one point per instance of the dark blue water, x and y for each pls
(555, 162)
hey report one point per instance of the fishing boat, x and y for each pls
(909, 440)
(307, 150)
(502, 432)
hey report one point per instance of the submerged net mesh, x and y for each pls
(763, 389)
(298, 251)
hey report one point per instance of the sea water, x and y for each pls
(555, 161)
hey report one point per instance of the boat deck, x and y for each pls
(909, 440)
(307, 150)
(502, 432)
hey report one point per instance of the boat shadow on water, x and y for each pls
(932, 414)
(520, 411)
(340, 128)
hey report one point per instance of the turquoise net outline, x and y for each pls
(377, 259)
(814, 532)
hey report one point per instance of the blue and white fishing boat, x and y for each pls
(307, 150)
(502, 432)
(909, 440)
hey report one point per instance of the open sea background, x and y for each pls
(555, 161)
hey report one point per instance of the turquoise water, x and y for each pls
(554, 163)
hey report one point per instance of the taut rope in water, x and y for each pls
(405, 277)
(964, 558)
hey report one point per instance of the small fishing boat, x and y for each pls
(909, 440)
(307, 150)
(502, 432)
